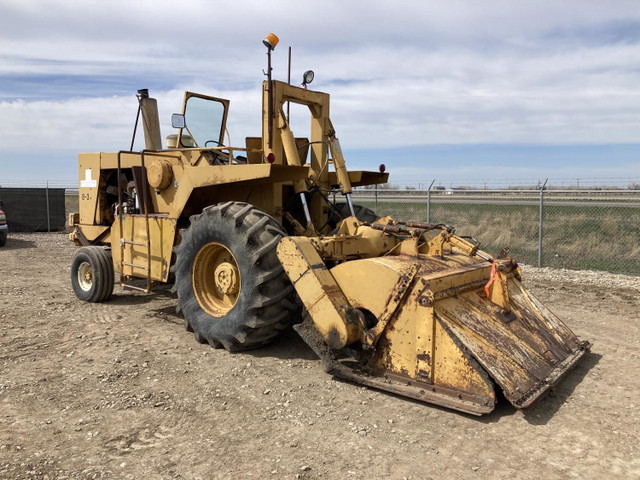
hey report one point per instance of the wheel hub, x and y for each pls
(227, 278)
(215, 278)
(85, 276)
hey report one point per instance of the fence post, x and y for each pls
(540, 224)
(48, 216)
(429, 201)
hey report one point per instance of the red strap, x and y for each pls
(491, 279)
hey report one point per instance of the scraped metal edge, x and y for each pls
(538, 392)
(441, 396)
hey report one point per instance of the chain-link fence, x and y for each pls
(575, 229)
(593, 229)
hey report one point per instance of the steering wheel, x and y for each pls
(206, 144)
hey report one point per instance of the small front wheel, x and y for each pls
(92, 274)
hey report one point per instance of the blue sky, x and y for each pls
(462, 92)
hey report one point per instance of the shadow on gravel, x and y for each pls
(546, 409)
(287, 346)
(541, 413)
(168, 313)
(502, 409)
(132, 297)
(17, 244)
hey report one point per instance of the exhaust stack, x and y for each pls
(150, 120)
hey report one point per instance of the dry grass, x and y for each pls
(575, 237)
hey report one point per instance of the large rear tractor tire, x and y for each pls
(92, 275)
(231, 286)
(341, 212)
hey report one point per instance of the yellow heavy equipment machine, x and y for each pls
(253, 244)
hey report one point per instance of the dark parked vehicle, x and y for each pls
(4, 229)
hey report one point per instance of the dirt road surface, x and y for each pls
(121, 391)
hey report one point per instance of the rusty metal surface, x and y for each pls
(389, 382)
(395, 297)
(525, 353)
(444, 322)
(414, 356)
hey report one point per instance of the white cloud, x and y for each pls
(409, 74)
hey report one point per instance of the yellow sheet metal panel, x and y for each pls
(367, 283)
(395, 299)
(88, 187)
(187, 179)
(161, 235)
(339, 324)
(453, 368)
(524, 351)
(413, 344)
(397, 349)
(91, 233)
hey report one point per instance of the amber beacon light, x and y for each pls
(271, 41)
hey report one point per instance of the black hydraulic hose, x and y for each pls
(135, 127)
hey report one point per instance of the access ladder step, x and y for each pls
(131, 242)
(134, 265)
(133, 287)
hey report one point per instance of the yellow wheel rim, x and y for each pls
(215, 278)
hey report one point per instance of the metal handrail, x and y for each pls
(145, 205)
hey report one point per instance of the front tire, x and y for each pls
(92, 276)
(231, 286)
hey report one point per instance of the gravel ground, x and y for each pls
(121, 391)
